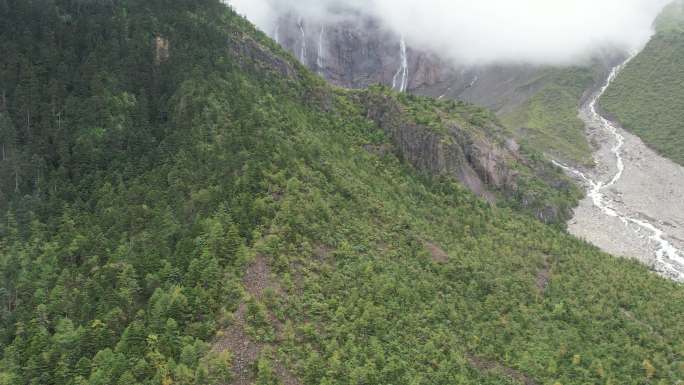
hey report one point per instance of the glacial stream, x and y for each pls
(614, 225)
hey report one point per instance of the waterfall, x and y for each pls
(320, 56)
(402, 72)
(276, 33)
(302, 52)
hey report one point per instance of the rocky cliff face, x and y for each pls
(490, 166)
(477, 163)
(357, 51)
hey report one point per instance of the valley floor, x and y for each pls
(650, 190)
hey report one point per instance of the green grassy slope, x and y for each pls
(140, 195)
(548, 119)
(648, 96)
(539, 105)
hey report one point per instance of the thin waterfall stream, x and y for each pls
(302, 52)
(400, 80)
(320, 55)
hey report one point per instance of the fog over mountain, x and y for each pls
(488, 31)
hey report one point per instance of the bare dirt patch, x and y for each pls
(258, 278)
(438, 255)
(245, 351)
(495, 367)
(323, 252)
(544, 276)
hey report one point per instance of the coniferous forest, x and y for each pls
(183, 203)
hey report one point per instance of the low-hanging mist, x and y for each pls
(489, 31)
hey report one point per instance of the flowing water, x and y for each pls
(302, 52)
(400, 80)
(612, 187)
(320, 55)
(474, 81)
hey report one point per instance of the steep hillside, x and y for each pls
(648, 96)
(184, 203)
(548, 119)
(537, 103)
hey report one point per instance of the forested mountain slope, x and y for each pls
(183, 203)
(648, 96)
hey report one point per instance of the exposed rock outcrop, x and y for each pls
(482, 166)
(485, 162)
(251, 53)
(162, 48)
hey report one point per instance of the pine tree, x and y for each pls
(8, 136)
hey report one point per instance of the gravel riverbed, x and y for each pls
(641, 214)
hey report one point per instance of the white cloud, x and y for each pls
(260, 12)
(488, 31)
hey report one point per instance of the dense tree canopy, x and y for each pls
(154, 150)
